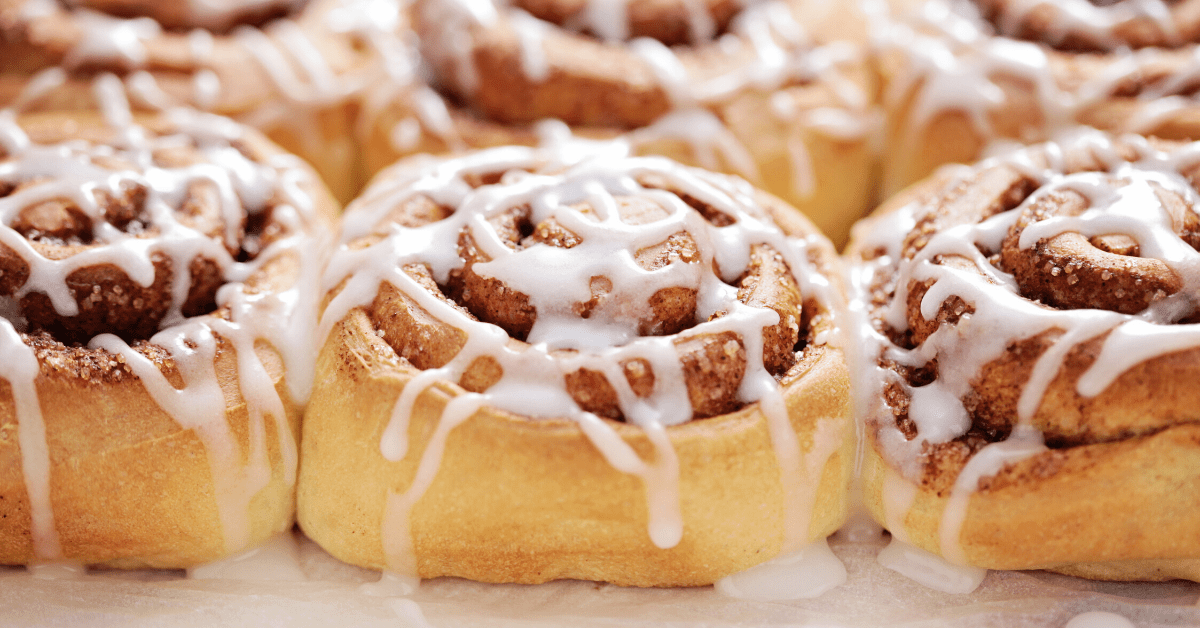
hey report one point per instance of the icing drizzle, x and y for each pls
(1120, 199)
(532, 384)
(286, 49)
(777, 50)
(279, 185)
(955, 61)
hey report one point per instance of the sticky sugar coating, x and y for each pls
(713, 363)
(1096, 26)
(619, 330)
(1030, 326)
(154, 325)
(778, 92)
(293, 69)
(962, 76)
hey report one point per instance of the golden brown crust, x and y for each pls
(1040, 78)
(131, 488)
(1119, 511)
(773, 136)
(130, 484)
(252, 75)
(1112, 493)
(519, 499)
(550, 506)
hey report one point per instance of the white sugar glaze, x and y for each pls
(803, 574)
(781, 54)
(955, 62)
(110, 40)
(1086, 20)
(20, 369)
(532, 383)
(69, 170)
(1120, 201)
(303, 79)
(930, 569)
(276, 560)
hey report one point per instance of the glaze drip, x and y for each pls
(609, 234)
(662, 94)
(142, 200)
(767, 48)
(1009, 83)
(986, 333)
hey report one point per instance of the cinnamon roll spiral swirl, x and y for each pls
(154, 327)
(532, 335)
(293, 69)
(960, 76)
(1033, 338)
(778, 92)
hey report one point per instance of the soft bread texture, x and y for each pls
(292, 70)
(803, 135)
(520, 499)
(524, 500)
(1109, 511)
(1098, 480)
(130, 483)
(1039, 76)
(130, 487)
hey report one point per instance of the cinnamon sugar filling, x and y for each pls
(594, 63)
(713, 363)
(1053, 263)
(115, 218)
(1096, 26)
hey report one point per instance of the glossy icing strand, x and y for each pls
(285, 50)
(959, 262)
(278, 185)
(955, 61)
(583, 192)
(775, 50)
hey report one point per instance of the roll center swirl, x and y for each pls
(645, 285)
(634, 284)
(1079, 246)
(125, 236)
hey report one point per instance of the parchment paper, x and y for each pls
(331, 594)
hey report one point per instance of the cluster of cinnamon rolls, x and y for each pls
(578, 325)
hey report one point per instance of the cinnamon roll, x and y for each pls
(778, 92)
(291, 68)
(1031, 341)
(961, 75)
(610, 368)
(155, 334)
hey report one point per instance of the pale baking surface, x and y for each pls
(872, 596)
